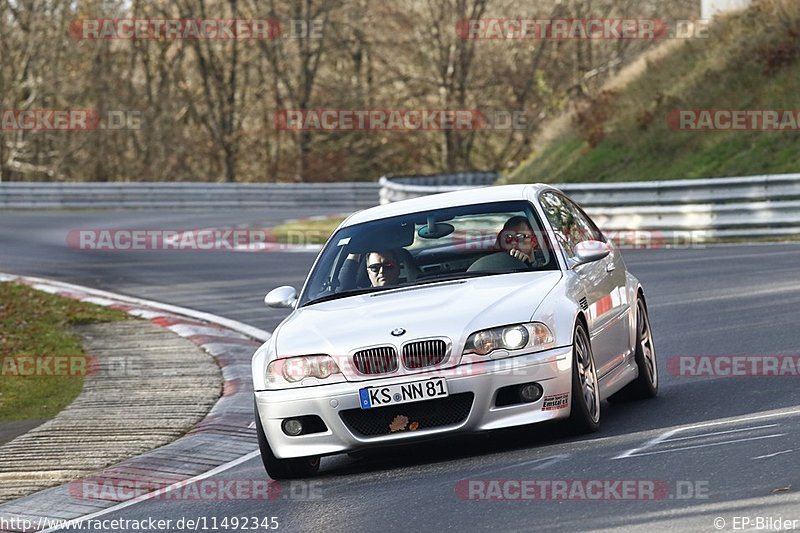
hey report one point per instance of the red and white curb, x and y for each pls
(140, 307)
(222, 440)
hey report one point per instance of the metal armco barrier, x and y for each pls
(170, 195)
(735, 208)
(396, 188)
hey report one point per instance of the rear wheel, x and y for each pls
(585, 411)
(283, 468)
(646, 383)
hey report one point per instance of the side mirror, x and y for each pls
(590, 251)
(282, 297)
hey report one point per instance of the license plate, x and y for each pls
(403, 393)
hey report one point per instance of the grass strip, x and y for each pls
(35, 325)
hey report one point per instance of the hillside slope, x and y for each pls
(749, 61)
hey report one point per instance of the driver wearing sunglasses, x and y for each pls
(382, 268)
(518, 239)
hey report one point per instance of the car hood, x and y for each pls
(451, 309)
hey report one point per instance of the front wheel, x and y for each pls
(585, 411)
(278, 469)
(646, 383)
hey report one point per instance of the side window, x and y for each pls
(570, 224)
(587, 229)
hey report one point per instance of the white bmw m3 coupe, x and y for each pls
(459, 312)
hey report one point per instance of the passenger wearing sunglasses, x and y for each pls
(383, 268)
(518, 239)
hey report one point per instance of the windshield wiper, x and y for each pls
(345, 294)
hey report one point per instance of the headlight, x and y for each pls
(295, 369)
(515, 337)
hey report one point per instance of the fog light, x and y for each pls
(530, 392)
(292, 427)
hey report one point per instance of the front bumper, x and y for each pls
(552, 369)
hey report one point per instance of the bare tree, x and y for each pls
(295, 63)
(207, 107)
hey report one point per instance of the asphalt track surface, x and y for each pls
(734, 441)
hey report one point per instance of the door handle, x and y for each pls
(610, 267)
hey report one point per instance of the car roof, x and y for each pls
(478, 195)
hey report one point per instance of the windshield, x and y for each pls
(442, 244)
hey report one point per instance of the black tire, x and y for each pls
(645, 385)
(278, 469)
(585, 410)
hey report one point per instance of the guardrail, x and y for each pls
(736, 208)
(157, 195)
(396, 188)
(717, 208)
